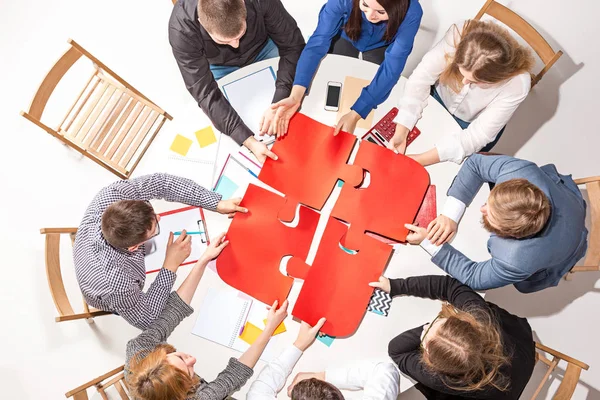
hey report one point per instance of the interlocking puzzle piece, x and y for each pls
(310, 161)
(337, 283)
(257, 243)
(392, 198)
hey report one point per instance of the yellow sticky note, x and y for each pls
(206, 136)
(181, 145)
(280, 329)
(250, 333)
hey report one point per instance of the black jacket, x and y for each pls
(515, 332)
(194, 51)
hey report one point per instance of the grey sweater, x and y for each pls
(231, 379)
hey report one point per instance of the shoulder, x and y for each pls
(517, 87)
(415, 11)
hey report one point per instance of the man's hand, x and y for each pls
(303, 376)
(265, 126)
(416, 234)
(347, 123)
(215, 248)
(441, 230)
(177, 251)
(276, 316)
(230, 207)
(307, 334)
(285, 110)
(383, 284)
(259, 149)
(398, 142)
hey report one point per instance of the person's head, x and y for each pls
(376, 11)
(127, 224)
(465, 349)
(315, 389)
(516, 209)
(486, 54)
(163, 374)
(224, 20)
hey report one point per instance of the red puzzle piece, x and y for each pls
(336, 286)
(310, 161)
(393, 196)
(257, 243)
(427, 213)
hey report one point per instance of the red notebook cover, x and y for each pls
(427, 213)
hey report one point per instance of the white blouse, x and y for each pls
(487, 107)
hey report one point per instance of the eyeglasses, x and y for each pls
(427, 331)
(157, 229)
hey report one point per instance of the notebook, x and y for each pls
(189, 218)
(224, 314)
(237, 173)
(351, 90)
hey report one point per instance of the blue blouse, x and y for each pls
(332, 18)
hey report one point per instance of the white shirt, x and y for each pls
(487, 107)
(379, 380)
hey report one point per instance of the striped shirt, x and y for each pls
(112, 279)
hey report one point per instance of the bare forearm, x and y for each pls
(251, 356)
(190, 284)
(428, 158)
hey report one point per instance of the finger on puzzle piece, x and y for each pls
(257, 243)
(337, 284)
(310, 161)
(392, 198)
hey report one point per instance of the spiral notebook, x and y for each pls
(224, 314)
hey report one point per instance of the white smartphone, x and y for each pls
(334, 90)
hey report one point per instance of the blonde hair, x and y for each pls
(467, 351)
(153, 378)
(519, 208)
(489, 52)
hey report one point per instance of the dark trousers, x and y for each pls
(465, 124)
(343, 47)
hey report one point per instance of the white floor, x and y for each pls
(45, 184)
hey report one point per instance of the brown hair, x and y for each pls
(489, 52)
(126, 223)
(519, 209)
(395, 9)
(224, 17)
(467, 351)
(153, 378)
(315, 389)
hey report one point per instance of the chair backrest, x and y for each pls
(55, 280)
(526, 31)
(570, 378)
(109, 121)
(114, 378)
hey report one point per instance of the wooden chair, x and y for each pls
(526, 31)
(55, 281)
(116, 379)
(592, 257)
(570, 378)
(109, 122)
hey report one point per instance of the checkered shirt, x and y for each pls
(112, 279)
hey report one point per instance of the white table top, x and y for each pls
(374, 333)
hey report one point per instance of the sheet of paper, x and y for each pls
(250, 96)
(351, 90)
(251, 333)
(181, 145)
(157, 247)
(221, 317)
(325, 339)
(226, 187)
(206, 136)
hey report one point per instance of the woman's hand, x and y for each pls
(215, 248)
(285, 110)
(383, 284)
(398, 142)
(347, 123)
(276, 316)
